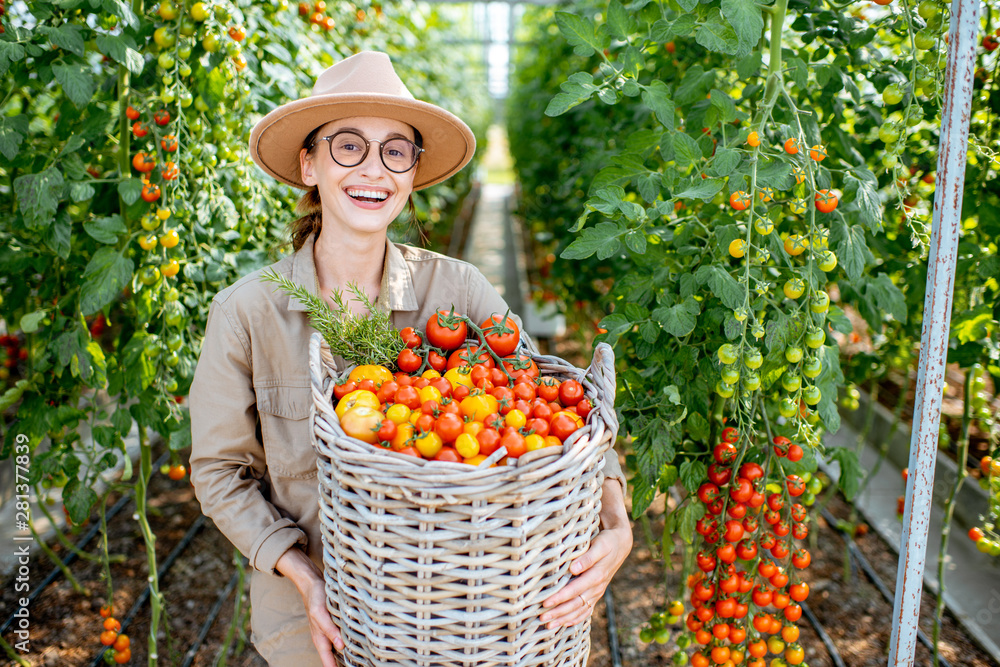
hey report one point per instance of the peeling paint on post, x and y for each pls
(952, 152)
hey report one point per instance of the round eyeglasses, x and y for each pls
(349, 149)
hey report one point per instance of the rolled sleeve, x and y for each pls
(613, 468)
(227, 458)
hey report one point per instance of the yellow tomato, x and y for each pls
(430, 374)
(429, 444)
(429, 393)
(377, 374)
(515, 418)
(796, 245)
(456, 376)
(170, 269)
(357, 397)
(475, 460)
(398, 413)
(147, 242)
(478, 406)
(534, 441)
(361, 422)
(552, 441)
(467, 446)
(403, 433)
(473, 428)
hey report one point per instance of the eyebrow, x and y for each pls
(391, 135)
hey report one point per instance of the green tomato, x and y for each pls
(892, 94)
(646, 635)
(185, 70)
(764, 226)
(753, 359)
(172, 360)
(662, 636)
(807, 499)
(757, 331)
(793, 354)
(724, 390)
(889, 133)
(730, 375)
(149, 275)
(740, 314)
(199, 12)
(171, 386)
(814, 486)
(815, 337)
(149, 222)
(984, 545)
(928, 9)
(811, 395)
(175, 342)
(727, 353)
(164, 38)
(172, 295)
(185, 99)
(210, 43)
(188, 27)
(168, 96)
(787, 408)
(684, 641)
(791, 381)
(174, 316)
(820, 302)
(184, 51)
(826, 261)
(813, 367)
(925, 40)
(166, 61)
(751, 382)
(152, 349)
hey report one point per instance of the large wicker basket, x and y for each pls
(441, 564)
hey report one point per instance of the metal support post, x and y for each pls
(952, 151)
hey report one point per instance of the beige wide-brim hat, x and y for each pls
(364, 84)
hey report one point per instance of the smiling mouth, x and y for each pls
(367, 195)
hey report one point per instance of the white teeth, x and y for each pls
(371, 194)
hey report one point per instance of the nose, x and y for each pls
(373, 161)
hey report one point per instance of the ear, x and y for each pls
(306, 167)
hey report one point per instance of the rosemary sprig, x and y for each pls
(360, 339)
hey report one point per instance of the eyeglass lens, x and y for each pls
(350, 149)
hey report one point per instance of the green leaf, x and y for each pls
(105, 230)
(649, 186)
(122, 421)
(620, 23)
(684, 25)
(680, 319)
(130, 189)
(724, 162)
(10, 53)
(58, 235)
(149, 413)
(140, 369)
(616, 324)
(969, 326)
(850, 470)
(722, 285)
(39, 196)
(576, 90)
(601, 239)
(635, 240)
(580, 33)
(122, 49)
(695, 84)
(122, 10)
(657, 98)
(746, 19)
(690, 514)
(79, 192)
(725, 104)
(692, 475)
(13, 395)
(106, 275)
(688, 5)
(77, 82)
(703, 189)
(839, 320)
(67, 37)
(180, 439)
(852, 250)
(715, 34)
(888, 297)
(78, 499)
(686, 151)
(748, 65)
(13, 130)
(31, 321)
(865, 192)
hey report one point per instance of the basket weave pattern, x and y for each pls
(445, 565)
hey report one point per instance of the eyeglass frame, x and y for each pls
(368, 144)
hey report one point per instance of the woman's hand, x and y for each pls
(307, 578)
(575, 602)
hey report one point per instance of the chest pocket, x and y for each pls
(285, 430)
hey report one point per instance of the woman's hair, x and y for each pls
(310, 207)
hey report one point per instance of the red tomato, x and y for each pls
(341, 390)
(514, 442)
(730, 434)
(387, 392)
(463, 355)
(410, 451)
(442, 385)
(583, 408)
(538, 427)
(479, 373)
(425, 423)
(448, 454)
(448, 426)
(499, 378)
(724, 453)
(570, 392)
(489, 440)
(460, 392)
(548, 389)
(444, 336)
(718, 475)
(751, 471)
(520, 364)
(367, 385)
(501, 335)
(408, 361)
(524, 391)
(410, 337)
(437, 361)
(386, 430)
(408, 396)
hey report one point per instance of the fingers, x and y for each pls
(600, 547)
(575, 610)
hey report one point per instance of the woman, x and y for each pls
(360, 144)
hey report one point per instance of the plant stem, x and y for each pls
(234, 623)
(949, 509)
(55, 559)
(141, 490)
(62, 537)
(12, 654)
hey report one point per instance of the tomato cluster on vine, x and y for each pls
(119, 651)
(460, 400)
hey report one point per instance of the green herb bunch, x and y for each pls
(359, 339)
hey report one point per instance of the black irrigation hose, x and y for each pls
(167, 564)
(207, 625)
(876, 580)
(609, 606)
(831, 648)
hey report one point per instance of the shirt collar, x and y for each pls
(396, 287)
